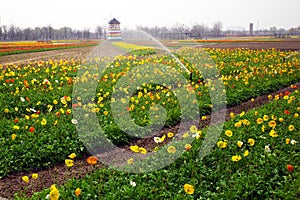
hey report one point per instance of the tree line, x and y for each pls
(15, 33)
(196, 31)
(177, 31)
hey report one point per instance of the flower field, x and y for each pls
(9, 48)
(256, 156)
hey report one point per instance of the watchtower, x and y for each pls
(114, 30)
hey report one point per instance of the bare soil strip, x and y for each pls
(280, 45)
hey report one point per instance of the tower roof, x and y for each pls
(114, 21)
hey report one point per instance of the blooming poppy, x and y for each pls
(92, 160)
(171, 149)
(222, 144)
(69, 162)
(240, 144)
(259, 121)
(189, 189)
(236, 158)
(25, 179)
(246, 153)
(291, 128)
(54, 194)
(142, 150)
(170, 134)
(134, 148)
(130, 161)
(273, 133)
(290, 168)
(31, 129)
(187, 147)
(193, 128)
(44, 121)
(35, 175)
(77, 192)
(13, 137)
(72, 155)
(228, 133)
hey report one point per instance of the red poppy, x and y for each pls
(287, 112)
(287, 93)
(31, 129)
(290, 168)
(16, 120)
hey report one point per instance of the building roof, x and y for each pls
(114, 21)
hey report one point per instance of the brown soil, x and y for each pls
(292, 45)
(59, 174)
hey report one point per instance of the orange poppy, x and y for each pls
(92, 160)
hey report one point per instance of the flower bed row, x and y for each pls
(17, 48)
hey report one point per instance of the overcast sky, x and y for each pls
(90, 13)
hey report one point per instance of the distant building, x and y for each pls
(251, 29)
(114, 30)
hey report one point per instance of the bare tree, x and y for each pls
(217, 29)
(99, 32)
(27, 34)
(50, 32)
(4, 33)
(86, 33)
(200, 30)
(273, 30)
(11, 33)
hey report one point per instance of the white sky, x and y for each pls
(90, 13)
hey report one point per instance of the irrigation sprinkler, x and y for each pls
(289, 56)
